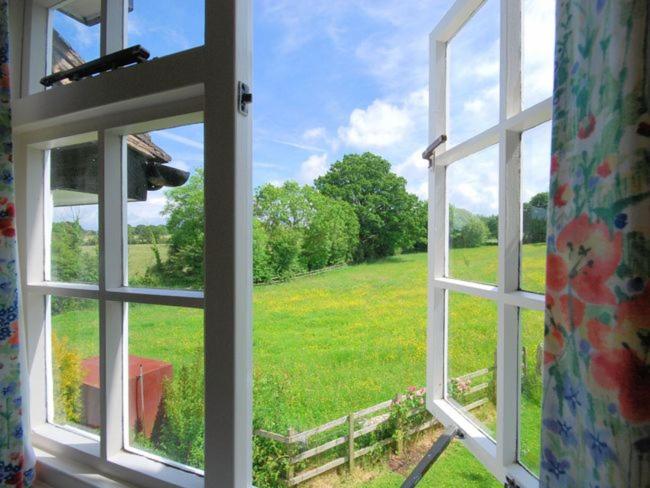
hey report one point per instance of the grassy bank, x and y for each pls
(340, 341)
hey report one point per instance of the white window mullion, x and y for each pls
(112, 205)
(36, 29)
(509, 234)
(114, 29)
(29, 167)
(228, 248)
(437, 225)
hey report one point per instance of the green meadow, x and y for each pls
(328, 344)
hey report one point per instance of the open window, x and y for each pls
(490, 177)
(97, 160)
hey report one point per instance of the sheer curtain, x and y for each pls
(596, 411)
(16, 455)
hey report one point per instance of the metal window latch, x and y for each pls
(429, 152)
(244, 97)
(510, 483)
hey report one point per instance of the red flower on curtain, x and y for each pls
(587, 256)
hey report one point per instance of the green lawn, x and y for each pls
(346, 339)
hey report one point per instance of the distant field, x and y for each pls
(141, 257)
(343, 340)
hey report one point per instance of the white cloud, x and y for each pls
(314, 134)
(415, 170)
(311, 168)
(537, 57)
(380, 125)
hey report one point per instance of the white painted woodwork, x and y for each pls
(500, 457)
(197, 85)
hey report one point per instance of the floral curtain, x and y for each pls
(596, 411)
(16, 456)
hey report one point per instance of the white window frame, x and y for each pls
(186, 87)
(500, 458)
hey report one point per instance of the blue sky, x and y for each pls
(333, 77)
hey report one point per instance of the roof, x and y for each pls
(65, 57)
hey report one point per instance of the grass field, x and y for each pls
(340, 341)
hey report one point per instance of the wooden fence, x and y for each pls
(359, 424)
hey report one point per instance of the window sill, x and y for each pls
(65, 458)
(479, 443)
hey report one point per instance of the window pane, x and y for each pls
(472, 346)
(166, 382)
(473, 193)
(75, 363)
(74, 211)
(530, 400)
(537, 46)
(474, 80)
(166, 26)
(165, 209)
(535, 157)
(75, 36)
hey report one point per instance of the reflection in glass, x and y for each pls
(74, 210)
(166, 26)
(535, 156)
(166, 382)
(472, 346)
(474, 79)
(530, 399)
(165, 213)
(537, 51)
(75, 34)
(472, 187)
(75, 363)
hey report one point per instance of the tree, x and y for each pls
(185, 225)
(262, 270)
(306, 230)
(466, 229)
(379, 199)
(492, 222)
(534, 218)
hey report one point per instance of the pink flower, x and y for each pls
(591, 255)
(558, 196)
(603, 169)
(586, 126)
(555, 163)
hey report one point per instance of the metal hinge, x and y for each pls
(510, 483)
(244, 97)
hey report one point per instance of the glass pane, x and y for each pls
(165, 209)
(535, 156)
(473, 194)
(166, 382)
(474, 79)
(166, 26)
(537, 51)
(472, 347)
(75, 363)
(530, 399)
(75, 36)
(74, 210)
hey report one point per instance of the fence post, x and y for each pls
(291, 452)
(351, 441)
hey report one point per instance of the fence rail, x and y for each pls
(360, 423)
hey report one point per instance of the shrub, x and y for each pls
(67, 378)
(181, 432)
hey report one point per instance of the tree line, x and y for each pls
(358, 211)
